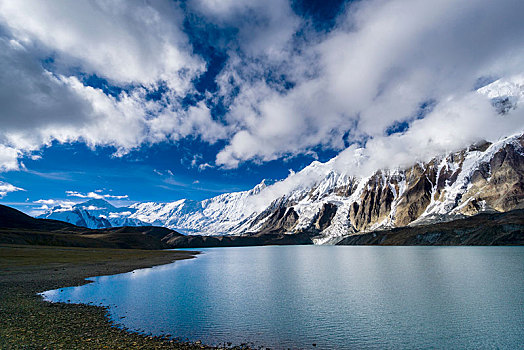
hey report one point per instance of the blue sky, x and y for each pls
(164, 171)
(156, 101)
(160, 172)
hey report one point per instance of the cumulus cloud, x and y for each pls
(138, 46)
(451, 126)
(8, 158)
(124, 41)
(46, 201)
(6, 188)
(285, 89)
(382, 61)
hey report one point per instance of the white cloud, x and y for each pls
(47, 204)
(123, 41)
(197, 162)
(381, 62)
(8, 158)
(454, 124)
(41, 107)
(375, 68)
(172, 124)
(196, 159)
(116, 197)
(80, 195)
(6, 188)
(46, 201)
(133, 44)
(94, 195)
(204, 166)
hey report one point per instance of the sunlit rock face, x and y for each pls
(485, 177)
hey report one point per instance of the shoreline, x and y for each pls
(28, 321)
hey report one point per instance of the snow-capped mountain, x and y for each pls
(487, 177)
(95, 213)
(328, 201)
(223, 214)
(505, 94)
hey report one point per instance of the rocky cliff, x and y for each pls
(483, 178)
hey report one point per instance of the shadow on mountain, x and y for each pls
(482, 229)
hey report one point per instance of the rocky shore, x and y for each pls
(28, 322)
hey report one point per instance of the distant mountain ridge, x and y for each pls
(19, 228)
(332, 204)
(94, 214)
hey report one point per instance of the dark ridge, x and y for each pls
(11, 218)
(482, 229)
(19, 228)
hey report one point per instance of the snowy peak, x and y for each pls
(94, 214)
(256, 190)
(505, 94)
(511, 87)
(484, 177)
(328, 204)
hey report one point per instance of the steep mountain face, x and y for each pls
(483, 178)
(327, 203)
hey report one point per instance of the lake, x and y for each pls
(342, 297)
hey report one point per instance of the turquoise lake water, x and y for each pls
(331, 296)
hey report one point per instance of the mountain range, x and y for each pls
(328, 203)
